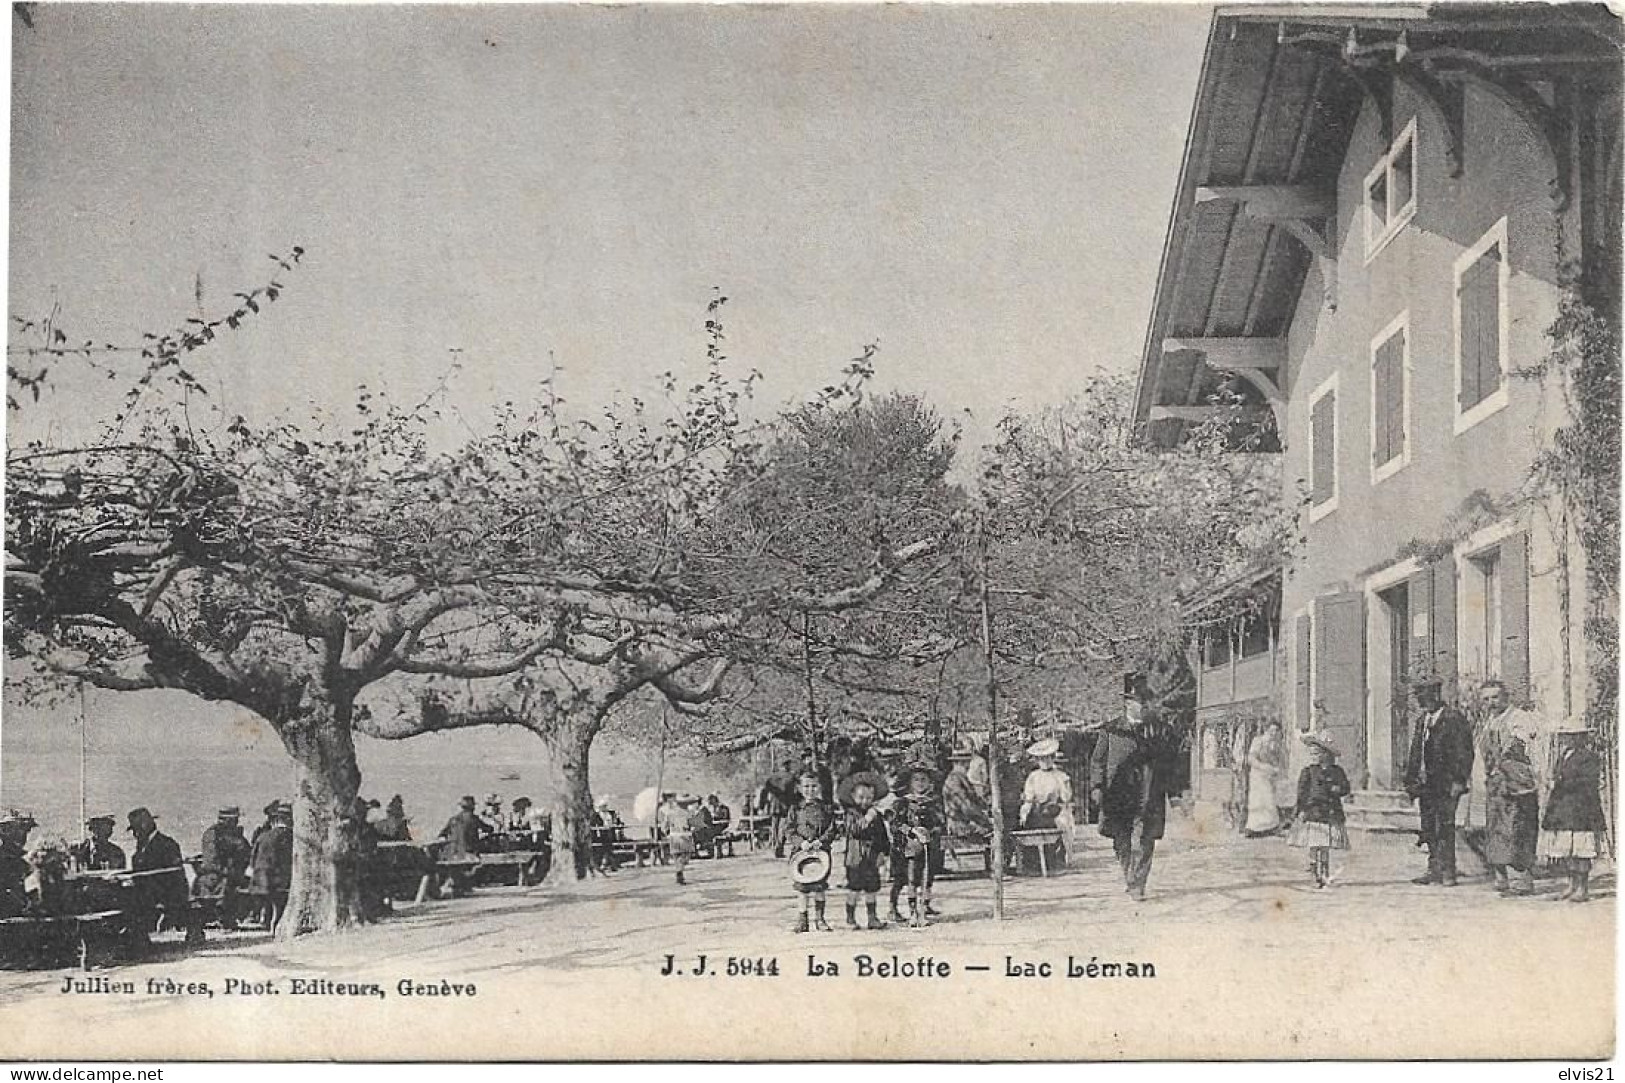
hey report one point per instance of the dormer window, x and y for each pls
(1390, 192)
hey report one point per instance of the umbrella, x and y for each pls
(644, 805)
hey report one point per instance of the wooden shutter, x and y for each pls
(1489, 324)
(1442, 608)
(1339, 658)
(1388, 400)
(1380, 439)
(1513, 565)
(1302, 663)
(1322, 426)
(1479, 298)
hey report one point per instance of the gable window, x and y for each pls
(1481, 328)
(1390, 398)
(1390, 192)
(1323, 450)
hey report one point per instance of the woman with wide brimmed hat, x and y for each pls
(1320, 825)
(1045, 796)
(1571, 831)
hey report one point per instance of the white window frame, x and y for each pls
(1469, 590)
(1497, 400)
(1396, 218)
(1401, 323)
(1317, 512)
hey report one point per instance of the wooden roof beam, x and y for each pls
(1199, 414)
(1274, 202)
(1233, 353)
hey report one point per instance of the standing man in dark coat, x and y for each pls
(158, 856)
(1437, 773)
(222, 869)
(272, 863)
(778, 795)
(1129, 773)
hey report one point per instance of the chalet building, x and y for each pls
(1235, 657)
(1378, 213)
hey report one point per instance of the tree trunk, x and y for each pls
(570, 799)
(325, 893)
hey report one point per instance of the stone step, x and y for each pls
(1380, 799)
(1383, 819)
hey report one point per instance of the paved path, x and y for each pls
(1250, 960)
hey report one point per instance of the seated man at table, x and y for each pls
(464, 834)
(721, 820)
(99, 853)
(14, 867)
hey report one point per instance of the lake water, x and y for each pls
(187, 766)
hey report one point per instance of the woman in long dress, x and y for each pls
(1266, 766)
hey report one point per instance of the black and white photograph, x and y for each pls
(811, 532)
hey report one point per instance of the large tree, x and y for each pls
(289, 568)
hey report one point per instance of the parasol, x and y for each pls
(644, 805)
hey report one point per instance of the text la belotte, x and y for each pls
(895, 966)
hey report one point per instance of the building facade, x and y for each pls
(1380, 211)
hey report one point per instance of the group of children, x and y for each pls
(909, 834)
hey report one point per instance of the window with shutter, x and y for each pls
(1323, 450)
(1481, 283)
(1390, 421)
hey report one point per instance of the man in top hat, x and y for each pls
(1046, 794)
(1437, 774)
(159, 857)
(1130, 771)
(222, 869)
(99, 853)
(14, 867)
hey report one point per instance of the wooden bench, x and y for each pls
(954, 849)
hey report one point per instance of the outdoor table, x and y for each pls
(523, 859)
(1039, 839)
(34, 935)
(751, 826)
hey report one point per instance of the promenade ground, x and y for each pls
(1250, 960)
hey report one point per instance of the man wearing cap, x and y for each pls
(1437, 773)
(14, 867)
(272, 861)
(159, 857)
(99, 853)
(222, 868)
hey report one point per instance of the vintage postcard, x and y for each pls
(811, 532)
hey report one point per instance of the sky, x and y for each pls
(981, 191)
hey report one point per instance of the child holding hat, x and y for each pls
(1319, 825)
